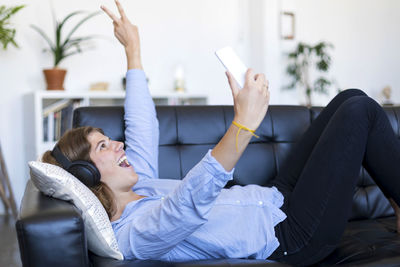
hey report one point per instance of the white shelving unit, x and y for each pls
(36, 102)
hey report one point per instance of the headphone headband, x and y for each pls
(59, 156)
(85, 171)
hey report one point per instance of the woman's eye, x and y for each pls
(103, 146)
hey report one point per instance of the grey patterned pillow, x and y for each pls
(58, 183)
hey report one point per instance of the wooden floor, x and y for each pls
(9, 250)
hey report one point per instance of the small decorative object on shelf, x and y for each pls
(99, 86)
(124, 82)
(63, 48)
(302, 62)
(179, 79)
(387, 93)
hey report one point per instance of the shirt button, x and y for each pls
(260, 202)
(162, 197)
(238, 201)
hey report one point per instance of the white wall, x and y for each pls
(365, 34)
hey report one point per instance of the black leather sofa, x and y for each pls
(50, 231)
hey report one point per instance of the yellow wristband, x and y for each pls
(244, 128)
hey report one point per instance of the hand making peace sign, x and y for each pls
(127, 34)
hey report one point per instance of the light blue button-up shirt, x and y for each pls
(195, 218)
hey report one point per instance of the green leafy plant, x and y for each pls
(62, 48)
(302, 60)
(7, 33)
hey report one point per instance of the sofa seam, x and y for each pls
(310, 112)
(363, 187)
(272, 126)
(177, 142)
(397, 120)
(82, 226)
(273, 145)
(21, 231)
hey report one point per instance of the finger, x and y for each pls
(120, 9)
(265, 90)
(260, 78)
(233, 84)
(249, 75)
(115, 28)
(268, 97)
(109, 13)
(266, 85)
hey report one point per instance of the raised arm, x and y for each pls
(251, 105)
(141, 124)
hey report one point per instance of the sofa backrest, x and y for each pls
(187, 132)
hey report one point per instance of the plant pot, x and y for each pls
(55, 78)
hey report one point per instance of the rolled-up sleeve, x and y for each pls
(141, 125)
(156, 231)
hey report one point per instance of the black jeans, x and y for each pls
(319, 176)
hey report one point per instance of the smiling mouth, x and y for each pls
(123, 162)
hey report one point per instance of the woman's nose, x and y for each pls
(118, 145)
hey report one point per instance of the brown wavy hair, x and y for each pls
(74, 145)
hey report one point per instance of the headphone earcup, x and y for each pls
(86, 172)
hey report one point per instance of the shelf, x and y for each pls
(111, 94)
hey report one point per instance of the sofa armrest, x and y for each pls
(50, 231)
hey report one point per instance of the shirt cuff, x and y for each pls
(215, 168)
(132, 73)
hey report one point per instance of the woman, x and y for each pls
(196, 218)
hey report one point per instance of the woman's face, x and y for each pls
(109, 157)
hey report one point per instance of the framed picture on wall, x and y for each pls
(287, 25)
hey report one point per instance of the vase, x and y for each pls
(55, 78)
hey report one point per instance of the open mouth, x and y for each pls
(123, 162)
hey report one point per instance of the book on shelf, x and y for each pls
(45, 128)
(57, 119)
(60, 104)
(57, 125)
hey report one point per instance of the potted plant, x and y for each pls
(63, 47)
(301, 60)
(7, 34)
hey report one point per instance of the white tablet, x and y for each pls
(233, 64)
